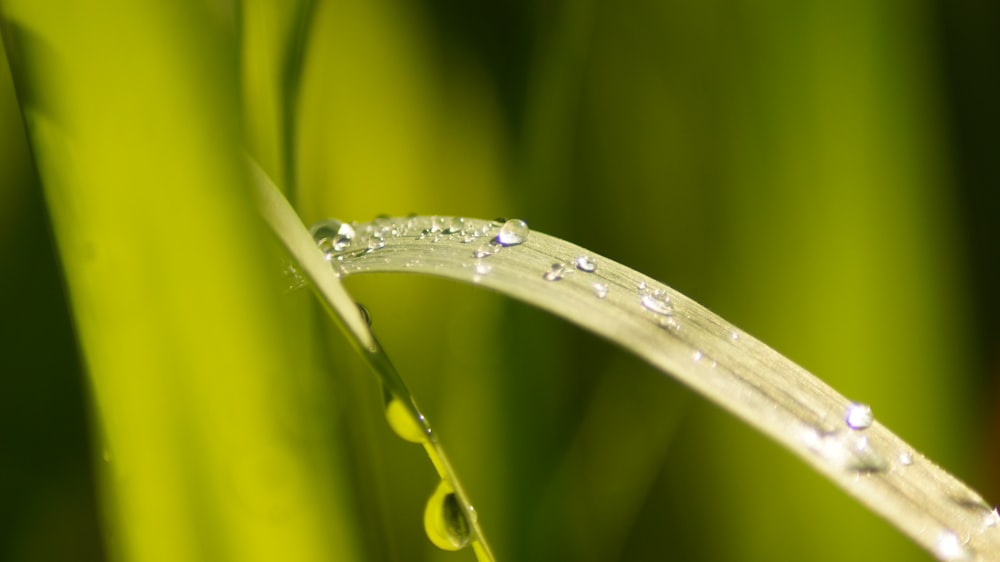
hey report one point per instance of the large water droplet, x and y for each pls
(513, 232)
(657, 302)
(949, 547)
(446, 520)
(332, 235)
(859, 416)
(403, 422)
(555, 273)
(585, 264)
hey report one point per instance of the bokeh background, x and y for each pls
(824, 175)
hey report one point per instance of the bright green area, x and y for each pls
(781, 163)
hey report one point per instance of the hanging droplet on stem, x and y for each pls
(446, 520)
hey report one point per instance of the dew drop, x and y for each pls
(992, 518)
(906, 458)
(697, 356)
(454, 226)
(657, 302)
(365, 313)
(481, 269)
(949, 547)
(734, 335)
(376, 242)
(859, 416)
(445, 520)
(403, 422)
(332, 235)
(600, 290)
(486, 250)
(585, 264)
(555, 273)
(513, 232)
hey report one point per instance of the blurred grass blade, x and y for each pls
(132, 111)
(837, 437)
(442, 520)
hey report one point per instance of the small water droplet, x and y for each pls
(365, 314)
(992, 518)
(403, 422)
(486, 250)
(376, 242)
(641, 286)
(859, 416)
(657, 302)
(556, 272)
(734, 335)
(949, 547)
(454, 226)
(600, 290)
(906, 458)
(697, 356)
(513, 232)
(585, 264)
(332, 235)
(482, 268)
(445, 520)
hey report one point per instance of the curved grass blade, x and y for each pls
(450, 519)
(839, 438)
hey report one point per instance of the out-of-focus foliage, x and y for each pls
(794, 166)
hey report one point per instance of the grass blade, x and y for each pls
(687, 341)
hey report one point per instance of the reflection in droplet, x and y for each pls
(585, 264)
(445, 520)
(859, 416)
(555, 273)
(513, 232)
(949, 547)
(600, 290)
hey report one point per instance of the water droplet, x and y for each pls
(697, 356)
(365, 314)
(906, 458)
(482, 268)
(657, 302)
(600, 290)
(513, 232)
(859, 416)
(486, 250)
(376, 242)
(585, 264)
(949, 547)
(555, 273)
(454, 226)
(402, 420)
(734, 335)
(445, 519)
(992, 518)
(332, 235)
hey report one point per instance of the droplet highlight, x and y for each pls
(906, 458)
(446, 520)
(585, 264)
(513, 232)
(859, 416)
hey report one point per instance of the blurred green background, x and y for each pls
(824, 175)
